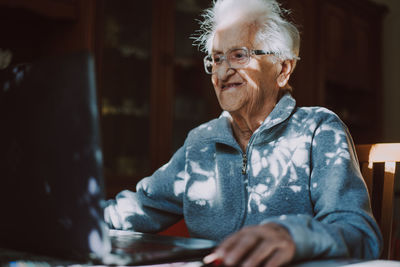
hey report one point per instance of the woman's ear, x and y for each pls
(287, 69)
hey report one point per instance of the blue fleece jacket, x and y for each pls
(299, 170)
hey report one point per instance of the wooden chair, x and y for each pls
(378, 166)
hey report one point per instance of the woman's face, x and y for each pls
(252, 89)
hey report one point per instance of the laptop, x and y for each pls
(51, 185)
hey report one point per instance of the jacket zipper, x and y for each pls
(244, 173)
(245, 154)
(244, 163)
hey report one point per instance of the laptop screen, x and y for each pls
(51, 184)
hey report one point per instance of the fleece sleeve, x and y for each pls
(156, 204)
(342, 225)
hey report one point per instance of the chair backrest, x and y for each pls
(378, 166)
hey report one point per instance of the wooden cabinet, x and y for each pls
(339, 69)
(151, 82)
(59, 10)
(153, 87)
(352, 78)
(41, 28)
(125, 89)
(341, 61)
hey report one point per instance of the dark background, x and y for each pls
(151, 85)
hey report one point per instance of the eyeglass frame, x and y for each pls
(250, 52)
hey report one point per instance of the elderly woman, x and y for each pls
(273, 182)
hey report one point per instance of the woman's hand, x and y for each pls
(260, 245)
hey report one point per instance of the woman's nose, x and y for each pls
(224, 70)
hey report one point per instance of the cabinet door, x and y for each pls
(337, 42)
(153, 85)
(351, 34)
(33, 30)
(125, 91)
(194, 97)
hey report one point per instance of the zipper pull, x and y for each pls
(244, 163)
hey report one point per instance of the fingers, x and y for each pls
(213, 259)
(269, 244)
(277, 253)
(259, 255)
(236, 248)
(279, 258)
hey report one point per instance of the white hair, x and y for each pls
(274, 32)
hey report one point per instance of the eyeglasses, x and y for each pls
(236, 58)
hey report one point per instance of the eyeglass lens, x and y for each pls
(236, 58)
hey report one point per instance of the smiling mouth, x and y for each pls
(230, 85)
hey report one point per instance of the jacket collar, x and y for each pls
(283, 109)
(220, 130)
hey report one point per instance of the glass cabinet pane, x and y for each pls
(125, 83)
(195, 101)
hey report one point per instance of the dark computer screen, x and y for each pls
(51, 183)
